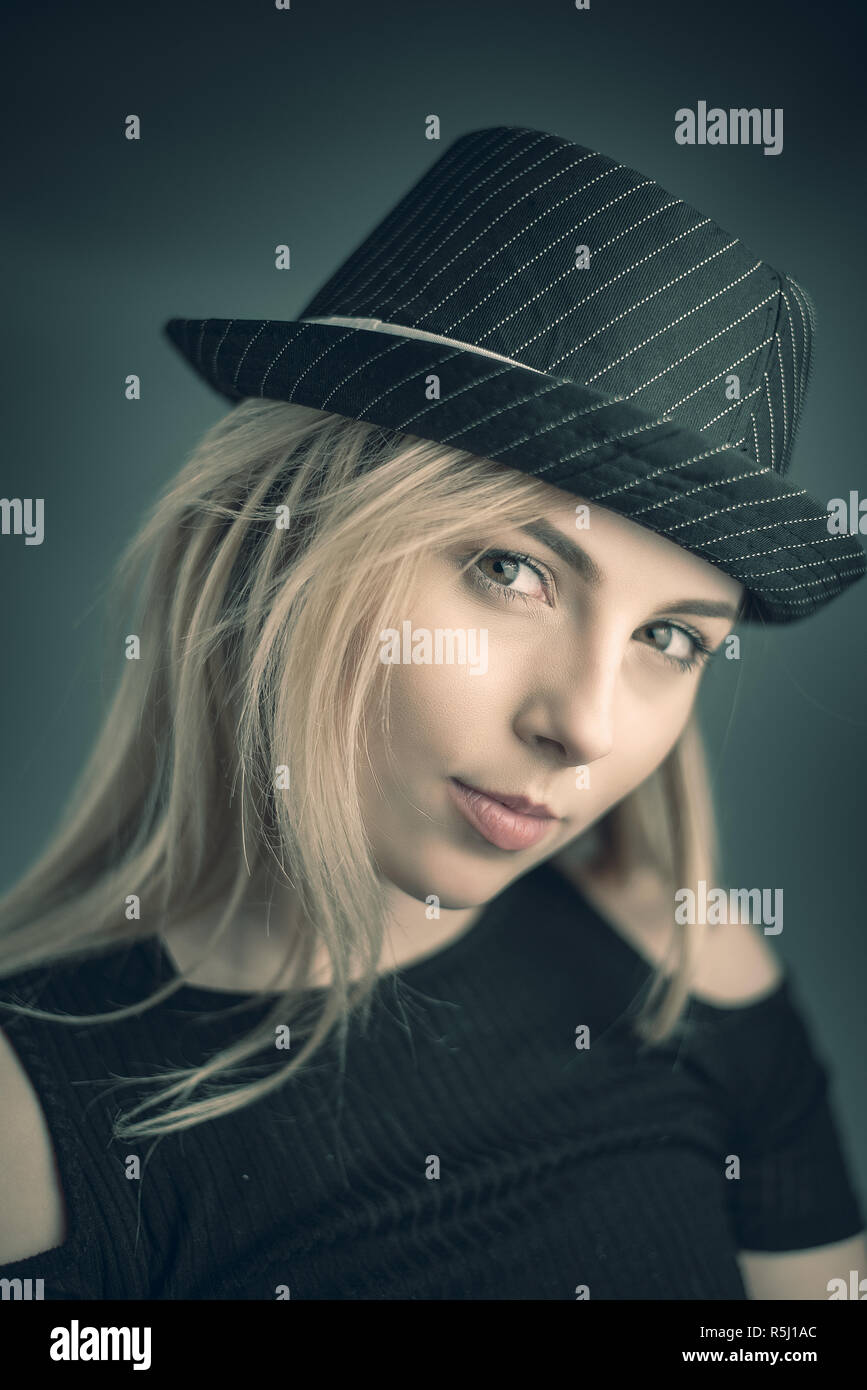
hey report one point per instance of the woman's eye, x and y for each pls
(685, 649)
(513, 575)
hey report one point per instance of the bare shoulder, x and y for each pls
(32, 1210)
(822, 1272)
(737, 965)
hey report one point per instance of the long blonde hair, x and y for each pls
(287, 539)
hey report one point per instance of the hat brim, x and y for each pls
(712, 499)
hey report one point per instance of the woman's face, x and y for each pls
(581, 665)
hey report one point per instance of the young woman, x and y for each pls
(359, 966)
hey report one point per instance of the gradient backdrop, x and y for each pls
(262, 126)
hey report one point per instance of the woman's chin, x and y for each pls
(451, 877)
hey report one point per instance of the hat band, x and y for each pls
(404, 332)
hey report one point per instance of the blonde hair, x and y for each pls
(255, 655)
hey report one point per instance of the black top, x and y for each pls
(474, 1150)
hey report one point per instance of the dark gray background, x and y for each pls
(263, 126)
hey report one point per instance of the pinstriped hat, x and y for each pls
(537, 303)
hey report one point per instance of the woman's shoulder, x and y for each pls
(736, 966)
(32, 1212)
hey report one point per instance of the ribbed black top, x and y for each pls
(472, 1151)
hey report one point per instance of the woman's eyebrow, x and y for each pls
(574, 556)
(579, 560)
(704, 607)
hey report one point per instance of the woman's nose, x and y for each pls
(573, 708)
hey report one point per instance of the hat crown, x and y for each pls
(666, 309)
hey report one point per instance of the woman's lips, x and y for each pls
(501, 826)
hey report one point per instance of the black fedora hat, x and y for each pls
(538, 303)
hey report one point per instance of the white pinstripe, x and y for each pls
(405, 331)
(200, 343)
(733, 507)
(406, 380)
(570, 270)
(711, 381)
(771, 419)
(811, 583)
(554, 385)
(785, 569)
(794, 603)
(796, 384)
(804, 331)
(433, 228)
(461, 174)
(417, 333)
(219, 345)
(660, 472)
(809, 341)
(645, 299)
(365, 366)
(791, 545)
(437, 362)
(309, 368)
(785, 398)
(803, 357)
(702, 487)
(569, 234)
(400, 308)
(594, 444)
(798, 602)
(807, 302)
(276, 358)
(700, 347)
(734, 405)
(750, 530)
(580, 303)
(259, 330)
